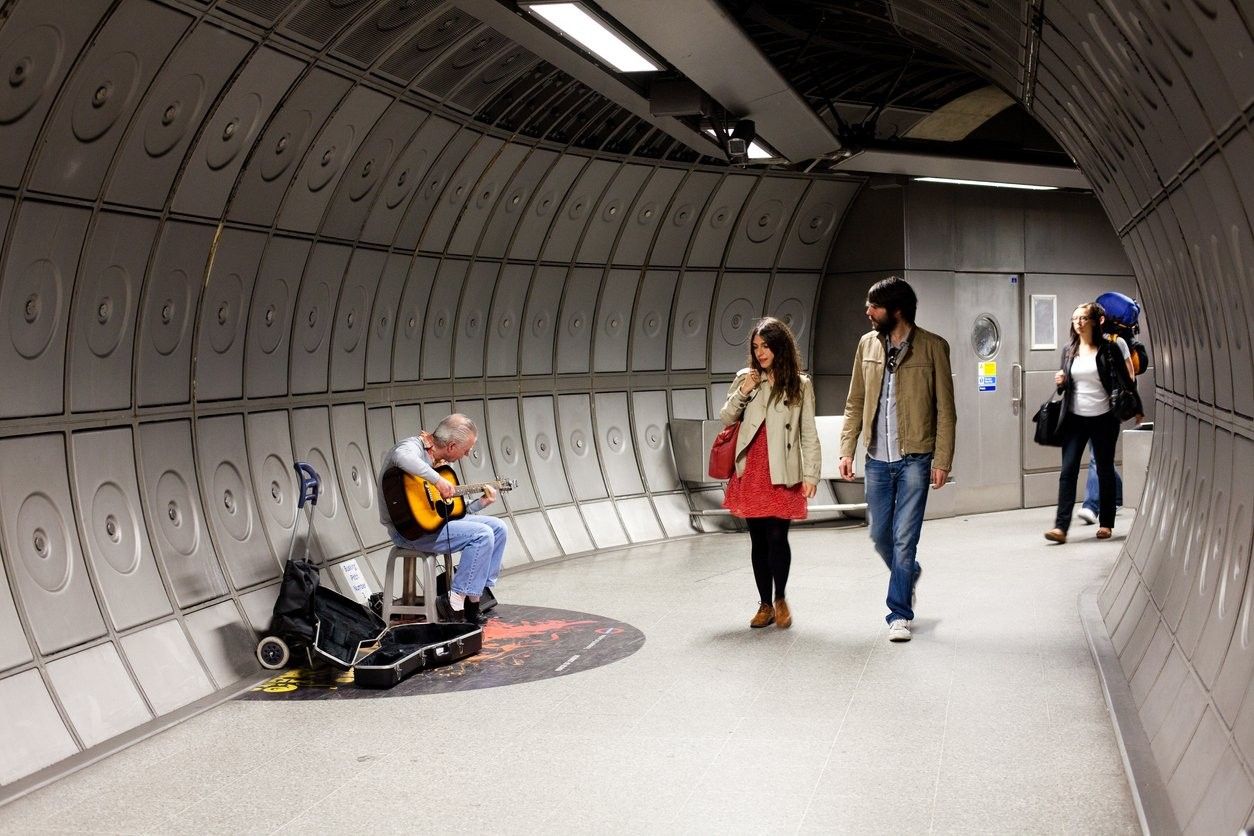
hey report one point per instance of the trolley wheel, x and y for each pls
(273, 653)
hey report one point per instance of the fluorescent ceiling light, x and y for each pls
(577, 23)
(986, 183)
(756, 151)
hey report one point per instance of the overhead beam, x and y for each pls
(961, 168)
(524, 32)
(699, 38)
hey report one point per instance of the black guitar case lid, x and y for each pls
(408, 648)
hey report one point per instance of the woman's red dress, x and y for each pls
(753, 494)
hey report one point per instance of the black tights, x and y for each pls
(772, 555)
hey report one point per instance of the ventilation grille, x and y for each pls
(420, 51)
(318, 21)
(265, 12)
(498, 74)
(376, 34)
(476, 50)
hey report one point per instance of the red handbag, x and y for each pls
(723, 452)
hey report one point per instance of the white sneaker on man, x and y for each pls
(899, 630)
(1087, 516)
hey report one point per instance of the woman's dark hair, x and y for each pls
(1094, 312)
(895, 294)
(786, 367)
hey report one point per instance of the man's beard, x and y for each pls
(885, 326)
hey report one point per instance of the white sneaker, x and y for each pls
(899, 630)
(1087, 516)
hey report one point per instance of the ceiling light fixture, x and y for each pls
(986, 183)
(576, 22)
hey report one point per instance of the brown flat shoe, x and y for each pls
(764, 616)
(783, 616)
(1103, 533)
(1056, 535)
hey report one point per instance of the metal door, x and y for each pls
(987, 392)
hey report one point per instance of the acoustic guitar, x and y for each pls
(415, 506)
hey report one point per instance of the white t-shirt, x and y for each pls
(1090, 398)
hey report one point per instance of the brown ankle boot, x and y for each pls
(783, 617)
(764, 616)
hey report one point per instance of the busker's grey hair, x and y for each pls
(455, 428)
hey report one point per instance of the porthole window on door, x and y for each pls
(985, 337)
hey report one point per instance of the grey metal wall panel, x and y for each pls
(188, 86)
(407, 419)
(311, 442)
(315, 315)
(607, 531)
(572, 534)
(226, 644)
(578, 319)
(104, 312)
(403, 179)
(97, 693)
(611, 212)
(513, 203)
(534, 531)
(270, 462)
(172, 507)
(115, 538)
(458, 190)
(270, 316)
(572, 218)
(762, 225)
(505, 322)
(472, 320)
(815, 224)
(352, 459)
(691, 403)
(233, 508)
(411, 320)
(739, 306)
(14, 649)
(686, 210)
(35, 296)
(46, 35)
(163, 362)
(104, 91)
(791, 300)
(274, 160)
(533, 229)
(477, 467)
(323, 167)
(709, 244)
(1211, 543)
(540, 324)
(579, 447)
(366, 173)
(224, 145)
(426, 196)
(166, 667)
(651, 322)
(507, 442)
(543, 450)
(483, 202)
(691, 323)
(223, 314)
(41, 739)
(614, 441)
(672, 509)
(653, 441)
(352, 319)
(646, 216)
(639, 520)
(384, 316)
(381, 435)
(437, 338)
(614, 321)
(42, 544)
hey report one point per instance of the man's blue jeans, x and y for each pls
(481, 540)
(1091, 486)
(896, 496)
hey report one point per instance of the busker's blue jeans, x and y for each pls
(481, 540)
(896, 497)
(1091, 486)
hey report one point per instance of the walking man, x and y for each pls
(901, 400)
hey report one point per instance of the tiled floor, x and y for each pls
(991, 720)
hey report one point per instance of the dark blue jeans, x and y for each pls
(1091, 486)
(1103, 431)
(896, 497)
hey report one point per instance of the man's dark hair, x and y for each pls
(894, 294)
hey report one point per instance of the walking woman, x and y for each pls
(777, 458)
(1092, 369)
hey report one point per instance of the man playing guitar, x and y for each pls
(479, 537)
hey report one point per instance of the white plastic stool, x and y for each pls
(409, 594)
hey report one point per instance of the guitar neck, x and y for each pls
(475, 487)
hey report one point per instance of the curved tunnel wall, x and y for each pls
(224, 251)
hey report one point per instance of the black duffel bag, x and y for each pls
(1049, 419)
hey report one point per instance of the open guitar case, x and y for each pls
(406, 649)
